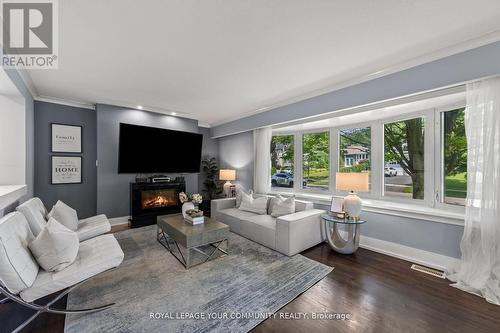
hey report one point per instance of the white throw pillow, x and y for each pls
(239, 193)
(65, 215)
(283, 206)
(254, 205)
(56, 247)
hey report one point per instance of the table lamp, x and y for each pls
(227, 175)
(352, 182)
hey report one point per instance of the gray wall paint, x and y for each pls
(465, 66)
(81, 197)
(210, 148)
(236, 152)
(113, 188)
(429, 236)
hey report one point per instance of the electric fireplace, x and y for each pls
(149, 200)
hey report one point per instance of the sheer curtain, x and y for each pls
(479, 269)
(262, 159)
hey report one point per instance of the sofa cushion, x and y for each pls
(92, 227)
(239, 193)
(261, 229)
(65, 215)
(95, 255)
(253, 204)
(282, 206)
(18, 268)
(35, 213)
(56, 247)
(301, 205)
(233, 217)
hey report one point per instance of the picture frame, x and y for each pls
(66, 138)
(337, 205)
(66, 170)
(232, 191)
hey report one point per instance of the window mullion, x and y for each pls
(377, 161)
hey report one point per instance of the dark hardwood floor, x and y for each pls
(380, 293)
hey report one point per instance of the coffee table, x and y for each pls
(199, 243)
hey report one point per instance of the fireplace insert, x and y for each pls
(149, 200)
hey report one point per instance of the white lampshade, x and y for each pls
(227, 174)
(352, 181)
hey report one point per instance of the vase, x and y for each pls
(185, 207)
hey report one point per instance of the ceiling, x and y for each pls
(221, 60)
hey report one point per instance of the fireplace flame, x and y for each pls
(158, 201)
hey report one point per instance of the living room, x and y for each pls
(264, 166)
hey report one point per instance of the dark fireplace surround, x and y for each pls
(149, 200)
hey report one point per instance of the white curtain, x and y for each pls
(262, 159)
(479, 269)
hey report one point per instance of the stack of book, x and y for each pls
(195, 220)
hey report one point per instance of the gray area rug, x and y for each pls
(252, 279)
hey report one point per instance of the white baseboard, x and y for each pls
(119, 220)
(411, 254)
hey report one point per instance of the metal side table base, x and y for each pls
(336, 241)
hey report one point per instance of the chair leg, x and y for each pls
(47, 307)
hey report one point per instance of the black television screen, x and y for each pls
(156, 150)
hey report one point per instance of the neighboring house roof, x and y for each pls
(352, 150)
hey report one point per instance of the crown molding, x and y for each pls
(488, 38)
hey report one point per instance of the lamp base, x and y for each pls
(352, 205)
(227, 189)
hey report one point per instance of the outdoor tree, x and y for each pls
(455, 143)
(404, 143)
(288, 153)
(315, 151)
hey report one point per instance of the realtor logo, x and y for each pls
(29, 34)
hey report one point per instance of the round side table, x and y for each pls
(336, 241)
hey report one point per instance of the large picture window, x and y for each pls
(282, 156)
(316, 161)
(404, 143)
(454, 156)
(355, 150)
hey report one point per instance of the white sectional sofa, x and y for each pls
(288, 234)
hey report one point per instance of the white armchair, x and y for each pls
(35, 212)
(23, 281)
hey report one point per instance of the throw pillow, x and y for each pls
(254, 205)
(65, 215)
(56, 247)
(239, 193)
(283, 206)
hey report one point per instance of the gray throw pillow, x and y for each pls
(283, 206)
(65, 215)
(56, 247)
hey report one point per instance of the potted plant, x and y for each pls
(212, 185)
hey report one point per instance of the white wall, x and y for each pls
(12, 133)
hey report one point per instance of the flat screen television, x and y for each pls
(145, 149)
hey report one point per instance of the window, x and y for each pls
(404, 158)
(282, 155)
(355, 150)
(316, 161)
(454, 157)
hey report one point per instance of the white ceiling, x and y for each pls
(222, 59)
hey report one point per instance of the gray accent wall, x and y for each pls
(473, 64)
(113, 188)
(81, 197)
(236, 152)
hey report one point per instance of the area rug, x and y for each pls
(153, 292)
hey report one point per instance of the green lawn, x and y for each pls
(317, 177)
(456, 186)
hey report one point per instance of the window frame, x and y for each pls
(433, 164)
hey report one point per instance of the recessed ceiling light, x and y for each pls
(173, 113)
(139, 107)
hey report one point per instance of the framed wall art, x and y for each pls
(66, 170)
(66, 138)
